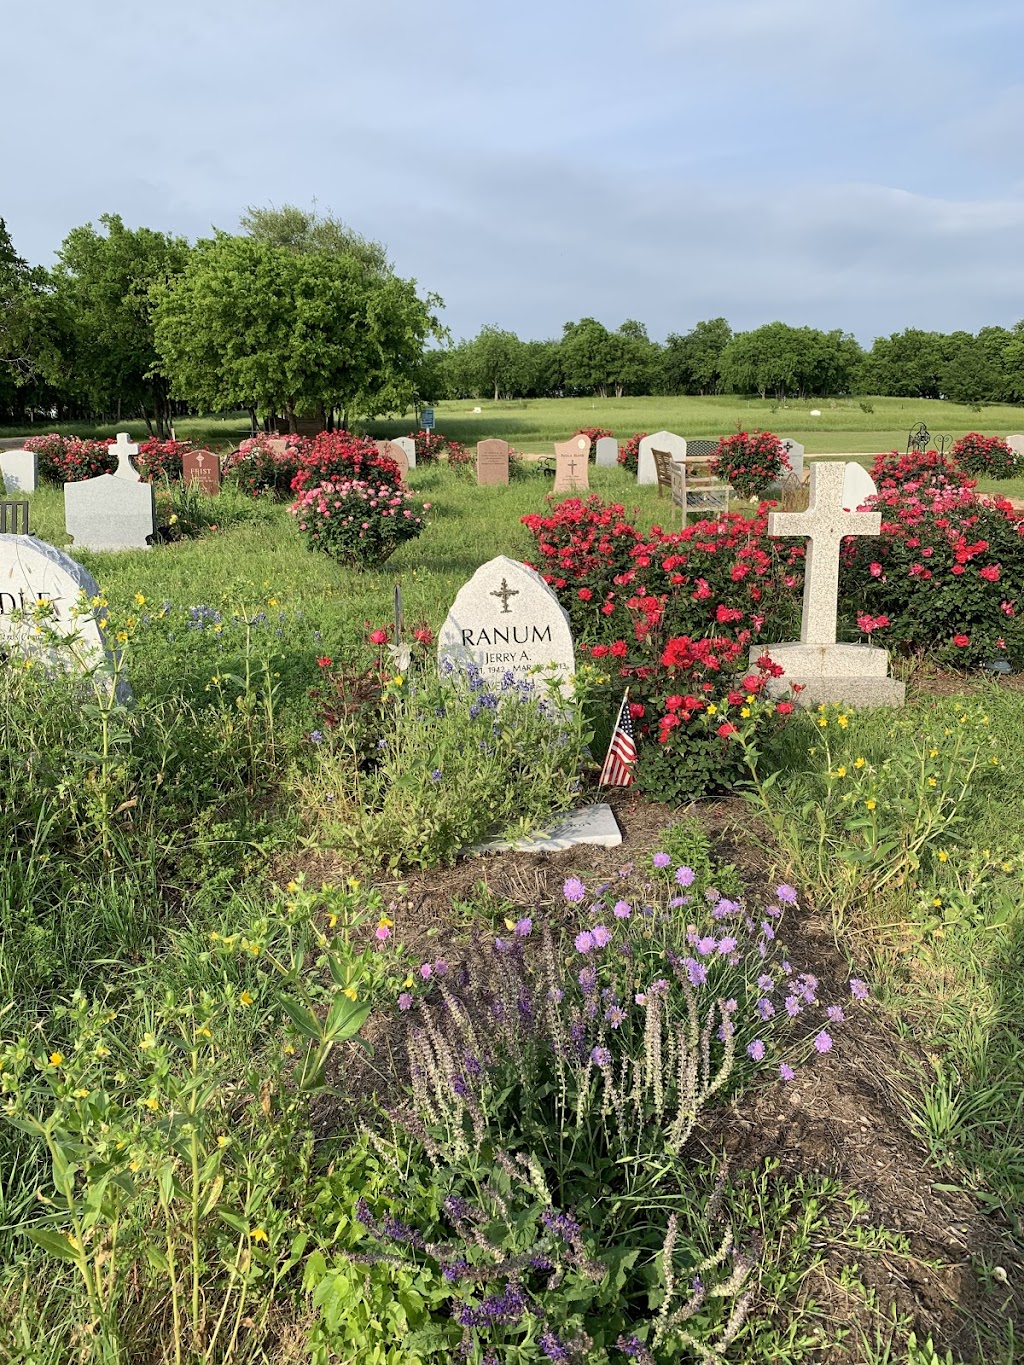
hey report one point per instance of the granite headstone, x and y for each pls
(201, 467)
(507, 620)
(396, 453)
(114, 511)
(491, 461)
(572, 460)
(409, 446)
(18, 471)
(607, 456)
(659, 440)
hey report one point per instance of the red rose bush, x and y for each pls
(359, 522)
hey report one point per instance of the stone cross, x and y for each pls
(124, 449)
(825, 523)
(505, 592)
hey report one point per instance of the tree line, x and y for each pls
(772, 361)
(295, 315)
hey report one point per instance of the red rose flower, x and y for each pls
(726, 730)
(961, 641)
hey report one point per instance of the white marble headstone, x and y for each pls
(1016, 444)
(114, 511)
(18, 471)
(607, 452)
(409, 446)
(507, 619)
(858, 486)
(31, 571)
(659, 440)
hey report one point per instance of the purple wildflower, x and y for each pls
(706, 945)
(436, 775)
(615, 1015)
(621, 910)
(552, 1347)
(405, 1001)
(316, 737)
(765, 983)
(600, 1056)
(523, 926)
(786, 893)
(726, 945)
(835, 1014)
(768, 930)
(584, 942)
(661, 860)
(823, 1042)
(685, 876)
(858, 989)
(793, 1006)
(601, 935)
(730, 1006)
(426, 971)
(755, 1049)
(765, 1009)
(786, 1072)
(588, 979)
(696, 972)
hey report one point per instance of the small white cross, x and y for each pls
(825, 523)
(123, 448)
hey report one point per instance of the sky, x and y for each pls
(832, 163)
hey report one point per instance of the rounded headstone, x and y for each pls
(18, 471)
(647, 471)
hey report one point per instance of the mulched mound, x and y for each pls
(844, 1117)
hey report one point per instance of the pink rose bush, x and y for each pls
(359, 522)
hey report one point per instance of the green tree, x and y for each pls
(588, 356)
(104, 287)
(30, 341)
(497, 363)
(781, 360)
(250, 324)
(693, 363)
(908, 364)
(306, 231)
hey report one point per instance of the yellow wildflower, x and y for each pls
(843, 721)
(937, 901)
(148, 1041)
(858, 763)
(350, 993)
(81, 1093)
(398, 680)
(271, 601)
(871, 804)
(385, 923)
(332, 921)
(122, 637)
(841, 771)
(712, 710)
(152, 1104)
(994, 761)
(943, 856)
(934, 753)
(408, 981)
(822, 722)
(932, 782)
(744, 711)
(223, 1141)
(288, 1050)
(172, 519)
(750, 696)
(292, 886)
(246, 999)
(102, 1051)
(56, 1059)
(258, 1234)
(203, 1032)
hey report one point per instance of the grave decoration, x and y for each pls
(855, 674)
(607, 453)
(45, 594)
(114, 511)
(571, 464)
(19, 470)
(201, 467)
(491, 462)
(506, 620)
(658, 440)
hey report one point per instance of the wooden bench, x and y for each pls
(696, 489)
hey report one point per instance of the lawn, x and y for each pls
(197, 914)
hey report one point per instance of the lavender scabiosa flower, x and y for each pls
(706, 945)
(685, 876)
(823, 1042)
(600, 1056)
(765, 983)
(601, 935)
(793, 1006)
(614, 1015)
(573, 889)
(755, 1050)
(786, 894)
(523, 926)
(621, 910)
(405, 1001)
(584, 941)
(661, 860)
(696, 972)
(765, 1008)
(726, 946)
(858, 989)
(836, 1014)
(786, 1072)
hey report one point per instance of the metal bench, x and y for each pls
(11, 514)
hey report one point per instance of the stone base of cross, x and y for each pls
(856, 675)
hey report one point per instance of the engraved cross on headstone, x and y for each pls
(505, 592)
(123, 448)
(825, 523)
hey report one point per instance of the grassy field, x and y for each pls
(218, 795)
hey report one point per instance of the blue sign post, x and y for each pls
(427, 419)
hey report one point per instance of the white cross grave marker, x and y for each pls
(124, 449)
(825, 523)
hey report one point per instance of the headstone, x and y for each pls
(409, 446)
(114, 511)
(658, 440)
(607, 452)
(794, 454)
(594, 825)
(858, 486)
(396, 453)
(31, 572)
(201, 467)
(277, 445)
(18, 470)
(828, 671)
(507, 620)
(572, 459)
(1016, 444)
(491, 461)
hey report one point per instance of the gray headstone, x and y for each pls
(794, 454)
(113, 512)
(658, 440)
(607, 452)
(595, 825)
(18, 470)
(31, 571)
(1016, 444)
(507, 619)
(409, 446)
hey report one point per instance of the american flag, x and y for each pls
(618, 769)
